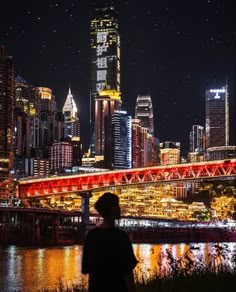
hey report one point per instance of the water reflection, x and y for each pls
(31, 269)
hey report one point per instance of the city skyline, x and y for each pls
(172, 52)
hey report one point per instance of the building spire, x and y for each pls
(69, 92)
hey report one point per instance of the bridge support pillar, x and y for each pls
(85, 197)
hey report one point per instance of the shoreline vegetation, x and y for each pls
(217, 273)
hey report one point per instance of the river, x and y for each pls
(31, 269)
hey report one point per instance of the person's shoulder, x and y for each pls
(121, 232)
(92, 232)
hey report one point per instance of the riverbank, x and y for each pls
(184, 234)
(154, 235)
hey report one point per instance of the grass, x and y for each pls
(217, 274)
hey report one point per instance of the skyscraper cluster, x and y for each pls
(37, 138)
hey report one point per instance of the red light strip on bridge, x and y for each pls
(85, 182)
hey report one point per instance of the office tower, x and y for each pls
(40, 166)
(105, 57)
(169, 153)
(27, 97)
(118, 141)
(47, 101)
(144, 112)
(139, 144)
(7, 107)
(70, 111)
(217, 117)
(197, 139)
(21, 142)
(60, 156)
(153, 150)
(105, 104)
(48, 127)
(27, 108)
(76, 150)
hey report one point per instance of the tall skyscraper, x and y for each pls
(7, 107)
(48, 127)
(27, 97)
(217, 117)
(197, 139)
(47, 101)
(120, 149)
(105, 57)
(139, 144)
(144, 112)
(105, 105)
(72, 124)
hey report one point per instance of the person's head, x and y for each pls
(108, 206)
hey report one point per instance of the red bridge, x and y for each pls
(46, 186)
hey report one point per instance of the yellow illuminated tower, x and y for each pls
(105, 105)
(105, 57)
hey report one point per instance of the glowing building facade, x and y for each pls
(27, 97)
(105, 105)
(70, 111)
(7, 107)
(197, 139)
(169, 153)
(217, 117)
(60, 156)
(144, 112)
(105, 57)
(121, 140)
(139, 144)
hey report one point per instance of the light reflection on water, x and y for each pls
(31, 269)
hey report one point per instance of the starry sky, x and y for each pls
(172, 50)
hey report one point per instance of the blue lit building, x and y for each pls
(118, 147)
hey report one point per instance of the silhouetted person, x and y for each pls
(108, 255)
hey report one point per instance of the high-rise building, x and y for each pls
(120, 139)
(144, 112)
(153, 150)
(7, 107)
(139, 144)
(197, 139)
(27, 97)
(217, 117)
(48, 127)
(72, 124)
(47, 101)
(169, 153)
(60, 156)
(105, 57)
(105, 105)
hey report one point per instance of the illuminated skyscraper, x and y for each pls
(47, 101)
(61, 156)
(27, 97)
(139, 144)
(118, 141)
(72, 125)
(144, 112)
(48, 127)
(105, 105)
(197, 139)
(217, 117)
(7, 107)
(105, 56)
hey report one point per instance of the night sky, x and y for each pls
(172, 50)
